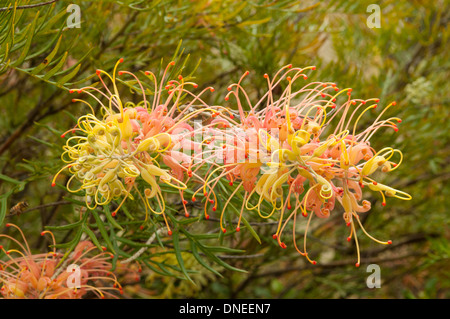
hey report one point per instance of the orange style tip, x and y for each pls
(305, 77)
(266, 75)
(211, 90)
(121, 60)
(349, 93)
(43, 233)
(305, 214)
(333, 100)
(353, 102)
(79, 91)
(195, 86)
(389, 242)
(186, 215)
(238, 229)
(53, 184)
(180, 77)
(98, 72)
(147, 73)
(375, 183)
(226, 98)
(289, 78)
(169, 233)
(194, 199)
(172, 63)
(394, 103)
(357, 265)
(120, 72)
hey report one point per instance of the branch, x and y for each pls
(29, 6)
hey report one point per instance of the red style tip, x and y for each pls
(71, 91)
(147, 73)
(224, 230)
(266, 75)
(211, 89)
(246, 73)
(384, 204)
(314, 262)
(180, 77)
(113, 214)
(120, 72)
(141, 227)
(103, 248)
(194, 199)
(195, 86)
(53, 184)
(185, 202)
(214, 209)
(226, 98)
(121, 60)
(172, 63)
(186, 215)
(169, 233)
(207, 216)
(389, 242)
(238, 229)
(8, 225)
(349, 238)
(283, 245)
(231, 183)
(274, 236)
(289, 66)
(42, 233)
(394, 103)
(313, 68)
(98, 72)
(357, 264)
(63, 135)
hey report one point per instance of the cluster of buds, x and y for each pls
(298, 150)
(47, 276)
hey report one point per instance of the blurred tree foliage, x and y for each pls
(406, 60)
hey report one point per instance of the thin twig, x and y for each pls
(29, 6)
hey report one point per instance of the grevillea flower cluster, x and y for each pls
(25, 275)
(299, 152)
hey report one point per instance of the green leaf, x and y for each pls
(176, 246)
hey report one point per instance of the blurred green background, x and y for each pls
(406, 60)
